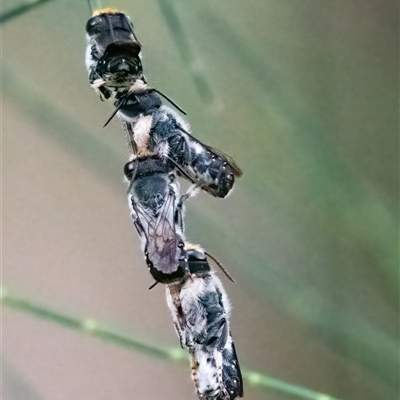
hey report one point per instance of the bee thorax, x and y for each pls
(141, 132)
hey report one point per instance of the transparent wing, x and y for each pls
(229, 159)
(160, 230)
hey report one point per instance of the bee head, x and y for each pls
(121, 60)
(169, 273)
(198, 263)
(107, 28)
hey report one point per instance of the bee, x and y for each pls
(153, 128)
(112, 54)
(200, 310)
(116, 73)
(157, 212)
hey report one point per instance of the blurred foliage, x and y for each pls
(93, 328)
(305, 96)
(20, 9)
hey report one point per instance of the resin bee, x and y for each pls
(115, 71)
(200, 310)
(112, 54)
(157, 213)
(155, 129)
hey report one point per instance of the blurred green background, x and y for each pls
(304, 95)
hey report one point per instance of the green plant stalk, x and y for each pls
(21, 9)
(91, 327)
(185, 50)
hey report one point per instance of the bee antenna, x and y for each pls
(111, 116)
(182, 129)
(223, 269)
(170, 100)
(153, 285)
(120, 105)
(181, 170)
(197, 185)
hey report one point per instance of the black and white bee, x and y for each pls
(200, 310)
(154, 128)
(157, 212)
(115, 71)
(163, 149)
(195, 296)
(112, 54)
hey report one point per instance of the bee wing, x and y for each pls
(235, 168)
(162, 239)
(231, 373)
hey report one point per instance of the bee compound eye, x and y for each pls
(128, 170)
(93, 25)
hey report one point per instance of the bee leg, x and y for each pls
(194, 366)
(179, 219)
(191, 192)
(131, 138)
(105, 94)
(179, 332)
(187, 275)
(138, 226)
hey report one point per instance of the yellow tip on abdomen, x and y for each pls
(106, 10)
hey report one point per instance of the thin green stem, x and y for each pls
(21, 9)
(95, 5)
(93, 328)
(188, 56)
